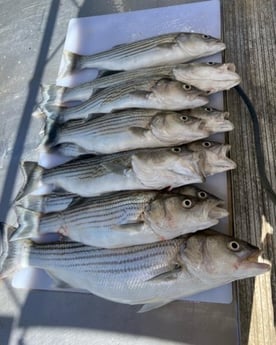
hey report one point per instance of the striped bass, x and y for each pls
(124, 218)
(134, 129)
(56, 202)
(210, 77)
(151, 274)
(152, 93)
(130, 170)
(155, 51)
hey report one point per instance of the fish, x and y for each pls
(215, 121)
(164, 49)
(123, 219)
(210, 77)
(126, 130)
(130, 170)
(56, 202)
(152, 274)
(148, 93)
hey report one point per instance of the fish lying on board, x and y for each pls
(124, 218)
(149, 93)
(132, 129)
(210, 77)
(151, 274)
(130, 170)
(155, 51)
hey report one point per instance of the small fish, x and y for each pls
(130, 170)
(151, 274)
(151, 93)
(210, 77)
(155, 51)
(124, 218)
(127, 130)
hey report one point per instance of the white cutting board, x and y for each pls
(93, 34)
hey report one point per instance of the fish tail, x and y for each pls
(28, 224)
(51, 134)
(10, 253)
(32, 202)
(71, 62)
(51, 94)
(32, 174)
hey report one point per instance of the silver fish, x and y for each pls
(124, 218)
(56, 202)
(127, 130)
(152, 274)
(130, 170)
(151, 93)
(155, 51)
(210, 77)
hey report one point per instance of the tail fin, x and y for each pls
(9, 251)
(28, 224)
(50, 138)
(51, 94)
(70, 63)
(32, 202)
(32, 174)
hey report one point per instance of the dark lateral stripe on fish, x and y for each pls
(134, 47)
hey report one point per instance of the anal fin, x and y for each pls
(151, 306)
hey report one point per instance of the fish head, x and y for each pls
(168, 167)
(171, 215)
(175, 95)
(197, 44)
(216, 257)
(215, 120)
(210, 77)
(171, 127)
(216, 159)
(196, 192)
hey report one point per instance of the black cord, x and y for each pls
(257, 140)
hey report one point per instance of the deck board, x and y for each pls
(249, 34)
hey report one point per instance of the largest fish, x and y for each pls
(153, 274)
(130, 170)
(155, 51)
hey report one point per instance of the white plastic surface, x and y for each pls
(94, 34)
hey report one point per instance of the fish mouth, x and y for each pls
(217, 211)
(251, 262)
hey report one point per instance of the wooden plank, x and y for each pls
(249, 34)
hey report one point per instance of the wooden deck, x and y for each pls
(249, 34)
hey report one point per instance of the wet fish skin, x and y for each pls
(151, 93)
(155, 51)
(130, 170)
(126, 130)
(151, 274)
(124, 218)
(210, 77)
(56, 202)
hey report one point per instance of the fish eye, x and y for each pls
(187, 203)
(210, 63)
(176, 149)
(184, 118)
(187, 87)
(208, 109)
(206, 144)
(206, 36)
(202, 195)
(234, 246)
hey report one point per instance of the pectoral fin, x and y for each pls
(168, 275)
(131, 227)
